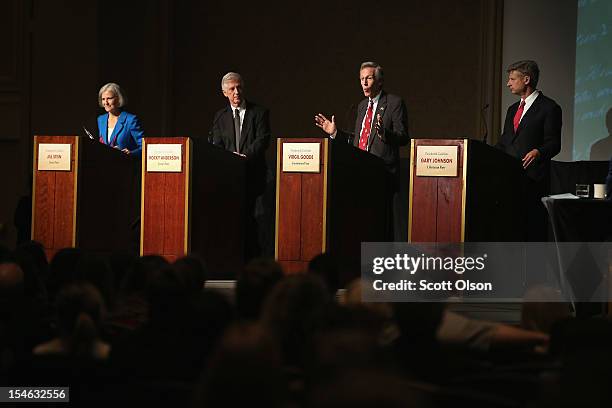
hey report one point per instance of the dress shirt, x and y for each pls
(528, 102)
(241, 112)
(375, 100)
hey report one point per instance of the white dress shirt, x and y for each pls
(528, 102)
(241, 112)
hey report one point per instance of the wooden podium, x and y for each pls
(480, 198)
(334, 208)
(85, 195)
(193, 201)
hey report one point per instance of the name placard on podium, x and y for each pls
(301, 157)
(165, 157)
(437, 161)
(54, 157)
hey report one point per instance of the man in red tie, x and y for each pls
(381, 126)
(532, 133)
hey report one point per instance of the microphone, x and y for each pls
(347, 119)
(484, 122)
(88, 133)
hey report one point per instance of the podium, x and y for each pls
(464, 190)
(85, 195)
(341, 201)
(193, 201)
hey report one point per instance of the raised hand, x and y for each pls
(328, 126)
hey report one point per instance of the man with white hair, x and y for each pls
(243, 128)
(381, 126)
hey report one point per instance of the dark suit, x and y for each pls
(539, 129)
(255, 133)
(394, 115)
(254, 140)
(393, 112)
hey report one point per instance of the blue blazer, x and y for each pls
(127, 134)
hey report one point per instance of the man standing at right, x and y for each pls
(532, 133)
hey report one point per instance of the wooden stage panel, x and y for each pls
(153, 214)
(163, 199)
(444, 207)
(289, 216)
(436, 209)
(44, 208)
(426, 201)
(64, 210)
(301, 228)
(53, 206)
(312, 215)
(450, 194)
(174, 213)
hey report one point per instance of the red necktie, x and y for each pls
(518, 114)
(365, 132)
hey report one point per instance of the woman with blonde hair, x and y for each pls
(118, 128)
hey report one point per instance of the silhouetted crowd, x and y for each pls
(122, 330)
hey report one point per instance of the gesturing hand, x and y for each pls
(328, 126)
